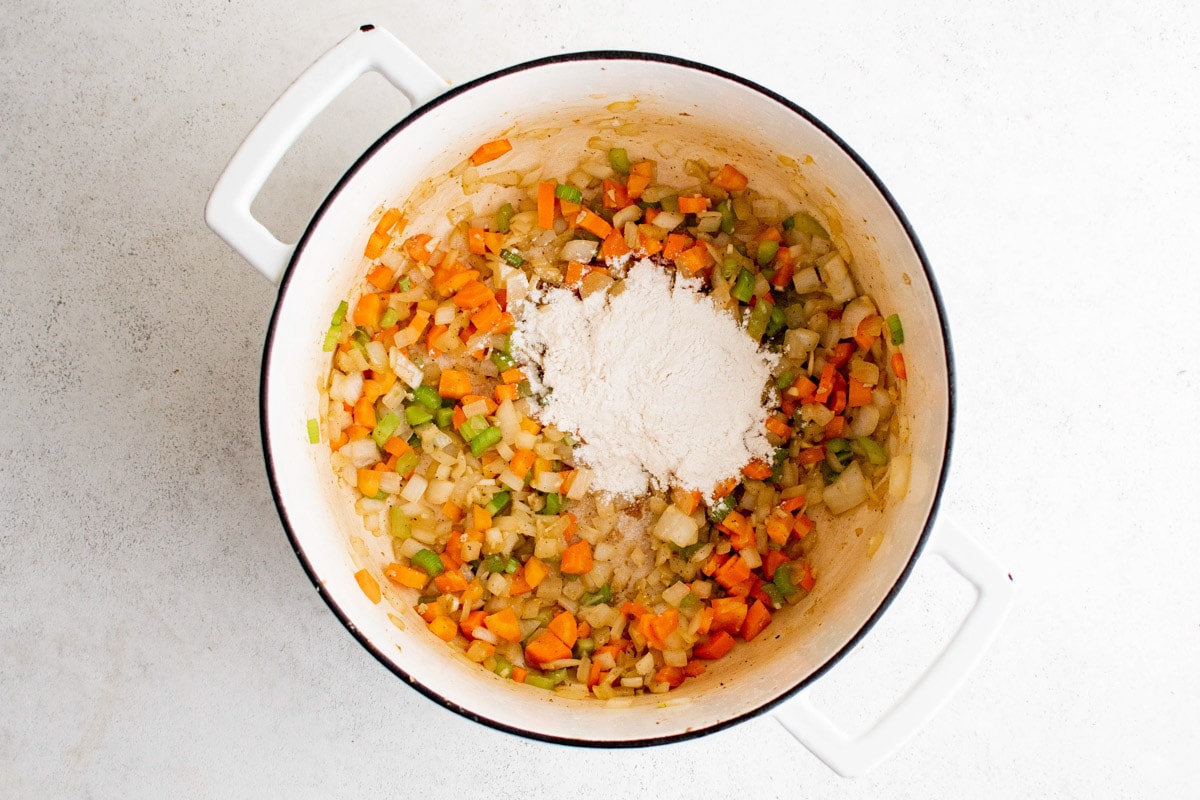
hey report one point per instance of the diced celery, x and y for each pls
(385, 427)
(473, 427)
(618, 159)
(428, 397)
(417, 414)
(569, 193)
(504, 217)
(895, 329)
(498, 503)
(766, 252)
(489, 437)
(743, 287)
(314, 431)
(401, 525)
(429, 561)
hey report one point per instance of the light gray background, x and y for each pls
(159, 639)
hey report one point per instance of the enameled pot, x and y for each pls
(549, 108)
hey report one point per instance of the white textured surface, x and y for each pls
(157, 636)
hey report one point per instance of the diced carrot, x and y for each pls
(633, 610)
(858, 394)
(565, 627)
(519, 674)
(671, 676)
(336, 442)
(595, 674)
(368, 584)
(694, 669)
(452, 512)
(504, 623)
(415, 247)
(490, 319)
(545, 204)
(706, 620)
(514, 375)
(570, 211)
(757, 470)
(811, 455)
(594, 223)
(825, 387)
(368, 482)
(356, 432)
(714, 646)
(649, 244)
(493, 241)
(459, 417)
(898, 367)
(641, 175)
(450, 581)
(685, 501)
(675, 244)
(585, 630)
(803, 525)
(732, 572)
(476, 241)
(739, 528)
(793, 504)
(772, 561)
(506, 391)
(481, 520)
(757, 618)
(693, 204)
(842, 351)
(614, 245)
(443, 628)
(428, 611)
(406, 576)
(367, 310)
(835, 428)
(472, 621)
(807, 580)
(490, 151)
(730, 179)
(545, 648)
(568, 479)
(375, 244)
(381, 277)
(535, 571)
(575, 273)
(802, 388)
(449, 278)
(468, 399)
(779, 526)
(521, 462)
(473, 295)
(364, 413)
(657, 627)
(569, 533)
(779, 427)
(837, 403)
(518, 585)
(614, 195)
(454, 383)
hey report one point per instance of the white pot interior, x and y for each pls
(680, 112)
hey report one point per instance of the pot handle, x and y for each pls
(849, 756)
(369, 49)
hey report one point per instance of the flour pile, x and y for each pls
(661, 387)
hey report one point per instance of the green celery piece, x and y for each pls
(729, 268)
(618, 159)
(331, 338)
(669, 203)
(503, 668)
(760, 315)
(553, 504)
(601, 595)
(399, 523)
(428, 397)
(689, 602)
(766, 252)
(719, 510)
(417, 414)
(498, 503)
(489, 437)
(806, 223)
(783, 580)
(543, 681)
(385, 428)
(404, 284)
(743, 287)
(443, 417)
(772, 591)
(785, 379)
(727, 218)
(407, 462)
(503, 360)
(473, 427)
(314, 431)
(872, 449)
(895, 329)
(513, 259)
(569, 193)
(777, 322)
(429, 561)
(340, 314)
(504, 217)
(389, 318)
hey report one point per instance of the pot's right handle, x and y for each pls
(850, 756)
(369, 49)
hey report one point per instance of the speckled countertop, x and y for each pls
(158, 637)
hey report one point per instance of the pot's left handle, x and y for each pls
(369, 49)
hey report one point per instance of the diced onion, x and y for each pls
(580, 250)
(848, 491)
(854, 313)
(676, 527)
(837, 279)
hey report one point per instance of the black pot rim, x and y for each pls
(451, 94)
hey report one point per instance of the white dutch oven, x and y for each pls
(549, 108)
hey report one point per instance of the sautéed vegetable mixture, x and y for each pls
(432, 416)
